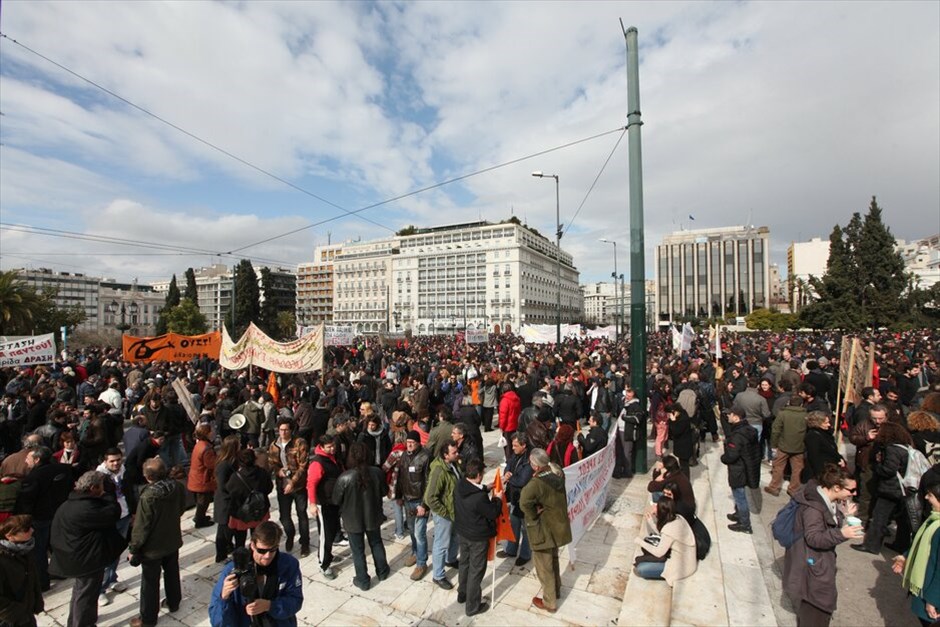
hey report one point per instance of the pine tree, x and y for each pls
(836, 305)
(247, 308)
(191, 293)
(268, 313)
(172, 300)
(880, 271)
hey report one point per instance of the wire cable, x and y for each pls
(596, 178)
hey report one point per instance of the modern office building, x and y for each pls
(712, 272)
(71, 288)
(922, 260)
(597, 303)
(315, 287)
(805, 259)
(480, 275)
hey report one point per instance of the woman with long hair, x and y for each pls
(889, 461)
(925, 431)
(766, 391)
(224, 469)
(920, 567)
(672, 557)
(561, 450)
(250, 475)
(681, 434)
(201, 481)
(820, 446)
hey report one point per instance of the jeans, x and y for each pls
(172, 452)
(150, 586)
(741, 507)
(650, 570)
(41, 529)
(514, 548)
(605, 421)
(445, 545)
(358, 549)
(418, 528)
(110, 571)
(399, 512)
(297, 498)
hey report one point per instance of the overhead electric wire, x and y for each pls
(596, 178)
(189, 134)
(441, 184)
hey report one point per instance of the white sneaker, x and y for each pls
(117, 586)
(328, 573)
(343, 542)
(104, 599)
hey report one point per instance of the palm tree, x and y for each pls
(18, 304)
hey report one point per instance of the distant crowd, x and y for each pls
(101, 457)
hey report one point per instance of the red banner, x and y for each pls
(172, 347)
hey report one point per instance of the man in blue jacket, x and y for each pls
(279, 586)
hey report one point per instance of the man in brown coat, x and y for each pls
(863, 437)
(288, 458)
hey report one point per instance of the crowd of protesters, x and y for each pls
(96, 453)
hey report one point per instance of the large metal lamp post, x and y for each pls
(114, 308)
(620, 306)
(539, 174)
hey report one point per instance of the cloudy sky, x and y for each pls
(280, 116)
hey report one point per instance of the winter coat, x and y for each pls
(521, 471)
(379, 446)
(442, 481)
(809, 567)
(437, 437)
(297, 454)
(677, 538)
(567, 407)
(285, 602)
(509, 409)
(820, 450)
(859, 437)
(242, 482)
(594, 441)
(322, 475)
(682, 436)
(84, 536)
(156, 532)
(475, 513)
(789, 431)
(894, 461)
(202, 468)
(742, 456)
(684, 493)
(413, 469)
(44, 489)
(20, 593)
(360, 506)
(551, 528)
(221, 501)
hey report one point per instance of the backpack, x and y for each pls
(255, 505)
(933, 452)
(917, 465)
(703, 540)
(784, 525)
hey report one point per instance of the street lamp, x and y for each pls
(620, 307)
(114, 308)
(539, 174)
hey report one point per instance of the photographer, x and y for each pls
(260, 587)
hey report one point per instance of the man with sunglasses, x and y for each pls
(279, 586)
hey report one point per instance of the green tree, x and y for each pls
(836, 305)
(185, 319)
(19, 304)
(880, 271)
(247, 307)
(770, 320)
(191, 293)
(172, 300)
(267, 319)
(286, 325)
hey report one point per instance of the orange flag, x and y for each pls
(503, 526)
(272, 387)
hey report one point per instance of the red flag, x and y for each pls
(503, 526)
(272, 388)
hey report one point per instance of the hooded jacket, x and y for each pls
(475, 513)
(809, 567)
(742, 456)
(156, 532)
(551, 528)
(509, 409)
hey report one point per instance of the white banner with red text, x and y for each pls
(28, 351)
(254, 348)
(587, 483)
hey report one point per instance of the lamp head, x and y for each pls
(538, 173)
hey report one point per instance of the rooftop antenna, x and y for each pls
(329, 237)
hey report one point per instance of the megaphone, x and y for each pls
(237, 421)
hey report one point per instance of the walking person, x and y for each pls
(322, 475)
(156, 541)
(224, 469)
(545, 507)
(439, 495)
(288, 456)
(475, 511)
(85, 540)
(358, 495)
(201, 480)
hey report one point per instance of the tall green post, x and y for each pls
(637, 252)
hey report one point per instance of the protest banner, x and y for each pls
(338, 335)
(587, 483)
(185, 400)
(856, 363)
(171, 347)
(545, 333)
(27, 351)
(477, 336)
(609, 332)
(254, 348)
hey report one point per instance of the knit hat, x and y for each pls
(414, 435)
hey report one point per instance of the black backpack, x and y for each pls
(255, 505)
(703, 540)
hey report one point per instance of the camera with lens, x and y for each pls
(243, 567)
